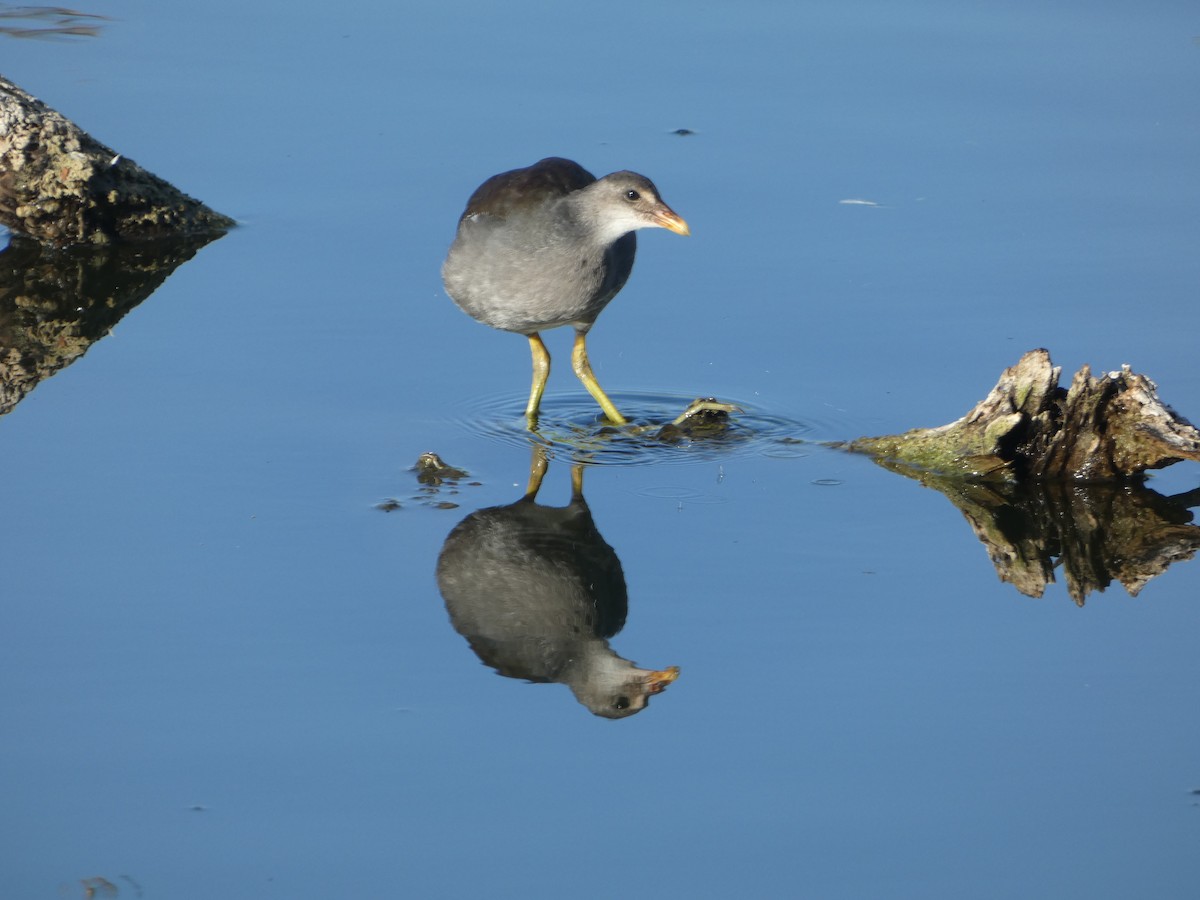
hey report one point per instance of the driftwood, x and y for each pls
(61, 187)
(1052, 479)
(54, 304)
(1107, 429)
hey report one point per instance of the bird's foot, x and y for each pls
(706, 411)
(705, 417)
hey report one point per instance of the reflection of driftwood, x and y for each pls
(1110, 428)
(1096, 533)
(537, 593)
(55, 304)
(61, 187)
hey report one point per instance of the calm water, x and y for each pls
(226, 671)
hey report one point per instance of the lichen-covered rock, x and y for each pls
(61, 187)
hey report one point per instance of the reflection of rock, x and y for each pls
(537, 592)
(55, 304)
(1095, 533)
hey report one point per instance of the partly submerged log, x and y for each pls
(61, 187)
(1107, 429)
(1050, 478)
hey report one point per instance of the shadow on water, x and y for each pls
(570, 422)
(54, 304)
(538, 593)
(1096, 533)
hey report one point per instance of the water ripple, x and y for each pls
(571, 423)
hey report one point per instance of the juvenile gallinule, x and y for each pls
(551, 245)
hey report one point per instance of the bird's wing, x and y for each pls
(521, 190)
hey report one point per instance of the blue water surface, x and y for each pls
(226, 670)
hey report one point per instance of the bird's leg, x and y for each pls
(537, 471)
(583, 369)
(541, 372)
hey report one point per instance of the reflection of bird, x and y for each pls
(536, 592)
(550, 245)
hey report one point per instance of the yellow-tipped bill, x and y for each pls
(670, 220)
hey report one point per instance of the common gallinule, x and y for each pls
(551, 245)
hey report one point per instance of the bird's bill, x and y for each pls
(656, 682)
(667, 218)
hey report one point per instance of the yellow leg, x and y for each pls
(537, 471)
(583, 369)
(541, 372)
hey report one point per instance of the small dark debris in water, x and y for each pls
(198, 808)
(433, 470)
(437, 479)
(683, 132)
(828, 482)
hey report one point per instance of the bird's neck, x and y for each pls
(595, 224)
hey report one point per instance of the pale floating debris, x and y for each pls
(858, 203)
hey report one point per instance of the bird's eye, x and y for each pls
(622, 702)
(632, 195)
